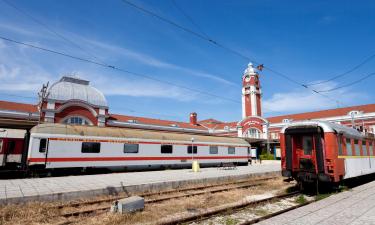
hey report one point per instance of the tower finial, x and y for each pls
(250, 69)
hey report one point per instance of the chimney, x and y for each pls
(193, 118)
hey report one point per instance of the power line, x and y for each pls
(118, 69)
(345, 73)
(235, 52)
(122, 70)
(189, 18)
(350, 84)
(203, 37)
(50, 30)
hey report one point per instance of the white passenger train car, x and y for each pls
(67, 146)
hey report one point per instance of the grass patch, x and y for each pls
(322, 196)
(267, 156)
(301, 199)
(230, 221)
(261, 212)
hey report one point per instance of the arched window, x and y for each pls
(77, 120)
(253, 133)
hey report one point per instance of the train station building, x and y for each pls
(74, 101)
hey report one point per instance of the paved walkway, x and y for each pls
(70, 187)
(355, 207)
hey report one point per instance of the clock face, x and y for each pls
(247, 79)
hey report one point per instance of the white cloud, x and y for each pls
(302, 100)
(105, 51)
(113, 85)
(99, 46)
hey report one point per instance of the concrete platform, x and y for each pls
(355, 207)
(71, 187)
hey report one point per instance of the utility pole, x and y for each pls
(43, 95)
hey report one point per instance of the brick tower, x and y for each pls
(251, 93)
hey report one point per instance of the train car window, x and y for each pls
(131, 148)
(339, 144)
(166, 149)
(214, 149)
(307, 145)
(90, 147)
(43, 145)
(192, 149)
(231, 150)
(364, 148)
(349, 147)
(356, 147)
(1, 145)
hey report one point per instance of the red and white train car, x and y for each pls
(323, 151)
(67, 146)
(11, 147)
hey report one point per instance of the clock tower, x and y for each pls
(251, 93)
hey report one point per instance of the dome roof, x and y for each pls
(70, 88)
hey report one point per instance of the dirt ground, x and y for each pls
(46, 213)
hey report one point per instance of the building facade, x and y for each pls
(74, 101)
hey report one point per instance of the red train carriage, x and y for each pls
(12, 148)
(321, 151)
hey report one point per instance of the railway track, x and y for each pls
(233, 208)
(256, 220)
(151, 198)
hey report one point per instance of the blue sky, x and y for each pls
(309, 41)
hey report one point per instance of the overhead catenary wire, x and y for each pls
(116, 68)
(51, 30)
(179, 8)
(201, 36)
(121, 70)
(235, 52)
(368, 59)
(349, 84)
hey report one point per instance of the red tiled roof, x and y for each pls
(323, 113)
(144, 120)
(216, 124)
(208, 121)
(14, 106)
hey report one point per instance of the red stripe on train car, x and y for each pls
(86, 159)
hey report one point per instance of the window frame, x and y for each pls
(45, 144)
(192, 149)
(95, 147)
(364, 147)
(339, 144)
(231, 150)
(305, 152)
(166, 152)
(357, 148)
(125, 151)
(348, 142)
(213, 147)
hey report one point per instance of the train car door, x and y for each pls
(305, 152)
(43, 149)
